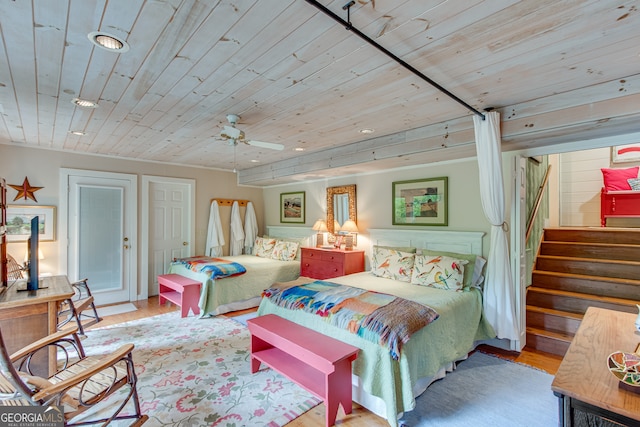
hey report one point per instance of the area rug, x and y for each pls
(487, 391)
(196, 372)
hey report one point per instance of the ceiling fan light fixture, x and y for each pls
(108, 42)
(84, 103)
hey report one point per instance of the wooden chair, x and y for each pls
(80, 307)
(14, 270)
(81, 384)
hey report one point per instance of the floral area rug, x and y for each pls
(197, 372)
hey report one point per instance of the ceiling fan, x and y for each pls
(234, 135)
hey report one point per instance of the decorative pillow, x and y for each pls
(392, 264)
(634, 183)
(440, 272)
(472, 270)
(616, 179)
(285, 250)
(263, 247)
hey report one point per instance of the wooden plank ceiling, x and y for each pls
(557, 71)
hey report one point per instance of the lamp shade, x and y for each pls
(349, 226)
(320, 225)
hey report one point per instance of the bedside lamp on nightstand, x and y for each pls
(351, 229)
(321, 227)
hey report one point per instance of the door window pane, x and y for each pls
(100, 234)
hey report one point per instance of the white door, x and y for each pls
(101, 227)
(170, 227)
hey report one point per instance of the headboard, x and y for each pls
(464, 242)
(304, 234)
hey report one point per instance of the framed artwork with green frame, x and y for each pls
(421, 202)
(292, 207)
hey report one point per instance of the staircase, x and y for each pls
(577, 268)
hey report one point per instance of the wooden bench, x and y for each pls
(181, 291)
(316, 362)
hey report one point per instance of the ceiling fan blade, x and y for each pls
(269, 145)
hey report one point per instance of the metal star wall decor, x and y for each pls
(25, 190)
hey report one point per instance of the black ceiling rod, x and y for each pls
(348, 26)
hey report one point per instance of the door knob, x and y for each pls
(126, 239)
(185, 244)
(126, 246)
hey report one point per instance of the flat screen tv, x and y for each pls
(32, 246)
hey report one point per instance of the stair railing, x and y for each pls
(536, 206)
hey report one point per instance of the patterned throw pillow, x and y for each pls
(263, 247)
(284, 251)
(392, 264)
(634, 183)
(440, 272)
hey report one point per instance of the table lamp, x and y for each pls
(320, 226)
(351, 229)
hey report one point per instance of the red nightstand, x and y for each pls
(319, 263)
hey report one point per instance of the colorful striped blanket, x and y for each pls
(216, 268)
(381, 318)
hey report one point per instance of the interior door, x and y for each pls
(170, 207)
(101, 220)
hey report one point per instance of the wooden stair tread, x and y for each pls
(591, 260)
(553, 312)
(549, 334)
(588, 277)
(597, 244)
(579, 295)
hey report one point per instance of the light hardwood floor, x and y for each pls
(360, 417)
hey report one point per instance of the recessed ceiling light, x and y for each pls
(255, 161)
(84, 103)
(108, 42)
(367, 130)
(77, 132)
(299, 149)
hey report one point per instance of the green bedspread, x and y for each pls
(261, 273)
(448, 339)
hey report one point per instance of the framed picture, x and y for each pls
(292, 207)
(420, 202)
(19, 222)
(625, 153)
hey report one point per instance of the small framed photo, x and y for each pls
(19, 222)
(625, 153)
(420, 202)
(292, 207)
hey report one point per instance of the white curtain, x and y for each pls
(236, 235)
(215, 236)
(250, 228)
(499, 292)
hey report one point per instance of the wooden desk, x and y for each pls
(27, 316)
(588, 392)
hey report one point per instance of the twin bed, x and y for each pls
(381, 383)
(244, 291)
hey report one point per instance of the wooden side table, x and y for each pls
(27, 316)
(589, 394)
(319, 263)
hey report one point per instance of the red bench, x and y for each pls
(316, 362)
(181, 291)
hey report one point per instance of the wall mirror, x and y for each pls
(341, 205)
